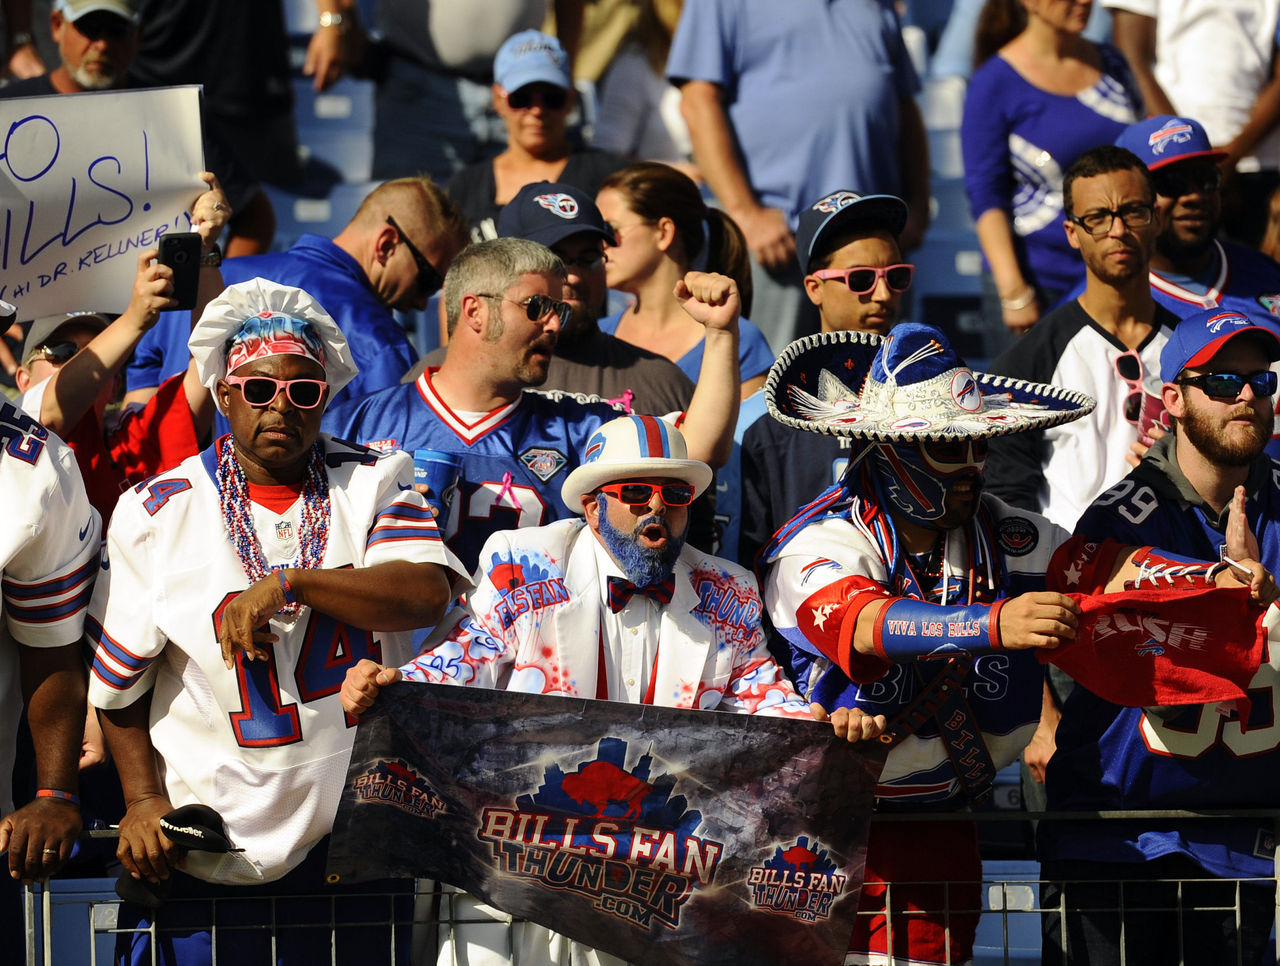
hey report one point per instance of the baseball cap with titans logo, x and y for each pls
(548, 212)
(841, 210)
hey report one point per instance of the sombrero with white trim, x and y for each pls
(907, 385)
(632, 447)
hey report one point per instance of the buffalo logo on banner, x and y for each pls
(615, 835)
(800, 880)
(394, 782)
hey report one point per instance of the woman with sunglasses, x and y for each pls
(662, 229)
(1041, 96)
(533, 94)
(242, 584)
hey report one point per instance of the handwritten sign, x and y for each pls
(87, 181)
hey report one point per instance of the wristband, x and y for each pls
(286, 587)
(908, 628)
(58, 794)
(1021, 302)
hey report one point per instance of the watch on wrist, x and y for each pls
(212, 258)
(331, 18)
(20, 39)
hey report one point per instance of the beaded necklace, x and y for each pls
(233, 496)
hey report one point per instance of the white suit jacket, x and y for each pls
(533, 625)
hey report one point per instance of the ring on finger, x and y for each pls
(217, 206)
(50, 851)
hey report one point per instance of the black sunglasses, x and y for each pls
(637, 494)
(1173, 182)
(430, 280)
(551, 98)
(537, 307)
(57, 353)
(1229, 385)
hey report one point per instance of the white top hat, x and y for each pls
(633, 447)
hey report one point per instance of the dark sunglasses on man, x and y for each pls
(1229, 385)
(537, 307)
(430, 281)
(638, 494)
(261, 391)
(55, 353)
(1178, 180)
(862, 279)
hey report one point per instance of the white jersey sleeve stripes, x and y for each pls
(49, 544)
(266, 743)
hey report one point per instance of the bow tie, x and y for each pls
(622, 590)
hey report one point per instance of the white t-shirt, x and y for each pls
(1213, 57)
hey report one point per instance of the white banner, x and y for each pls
(87, 181)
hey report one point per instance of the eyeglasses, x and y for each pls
(537, 307)
(57, 353)
(619, 233)
(638, 494)
(586, 261)
(1135, 215)
(429, 279)
(551, 98)
(1129, 368)
(1175, 181)
(1229, 385)
(862, 279)
(261, 391)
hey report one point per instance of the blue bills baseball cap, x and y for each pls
(1198, 337)
(531, 57)
(842, 209)
(548, 212)
(1167, 138)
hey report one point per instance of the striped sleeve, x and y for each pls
(57, 601)
(121, 628)
(50, 548)
(404, 520)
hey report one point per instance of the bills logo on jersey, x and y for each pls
(382, 445)
(1173, 131)
(615, 833)
(284, 530)
(394, 782)
(1017, 536)
(836, 202)
(559, 204)
(543, 463)
(1271, 302)
(800, 881)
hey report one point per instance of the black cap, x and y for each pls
(842, 208)
(43, 328)
(548, 212)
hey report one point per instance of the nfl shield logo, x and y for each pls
(543, 463)
(284, 529)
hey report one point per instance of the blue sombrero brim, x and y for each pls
(818, 384)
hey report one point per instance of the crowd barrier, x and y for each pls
(74, 921)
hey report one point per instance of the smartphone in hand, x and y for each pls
(181, 252)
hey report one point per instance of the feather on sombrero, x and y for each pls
(907, 385)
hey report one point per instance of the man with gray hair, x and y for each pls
(504, 312)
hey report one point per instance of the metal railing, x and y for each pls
(73, 921)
